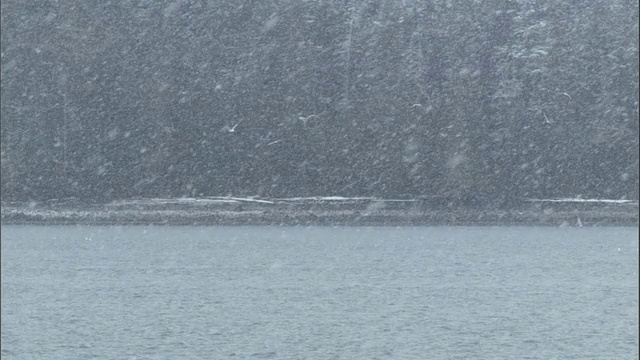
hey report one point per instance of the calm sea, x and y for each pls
(319, 293)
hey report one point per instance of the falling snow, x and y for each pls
(483, 105)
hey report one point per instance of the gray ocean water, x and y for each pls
(319, 293)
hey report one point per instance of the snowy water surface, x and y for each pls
(319, 293)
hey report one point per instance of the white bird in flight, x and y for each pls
(231, 129)
(305, 119)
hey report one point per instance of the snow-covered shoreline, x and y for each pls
(317, 211)
(579, 200)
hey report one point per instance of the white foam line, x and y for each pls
(606, 201)
(325, 198)
(395, 200)
(252, 200)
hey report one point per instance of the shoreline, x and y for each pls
(358, 212)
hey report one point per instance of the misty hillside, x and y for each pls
(483, 102)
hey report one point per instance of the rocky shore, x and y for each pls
(334, 211)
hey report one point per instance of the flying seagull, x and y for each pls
(231, 129)
(305, 119)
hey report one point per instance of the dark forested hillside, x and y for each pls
(483, 101)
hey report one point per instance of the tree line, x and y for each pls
(486, 102)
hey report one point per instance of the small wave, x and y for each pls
(264, 355)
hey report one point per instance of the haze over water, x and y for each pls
(319, 293)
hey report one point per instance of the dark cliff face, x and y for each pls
(482, 104)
